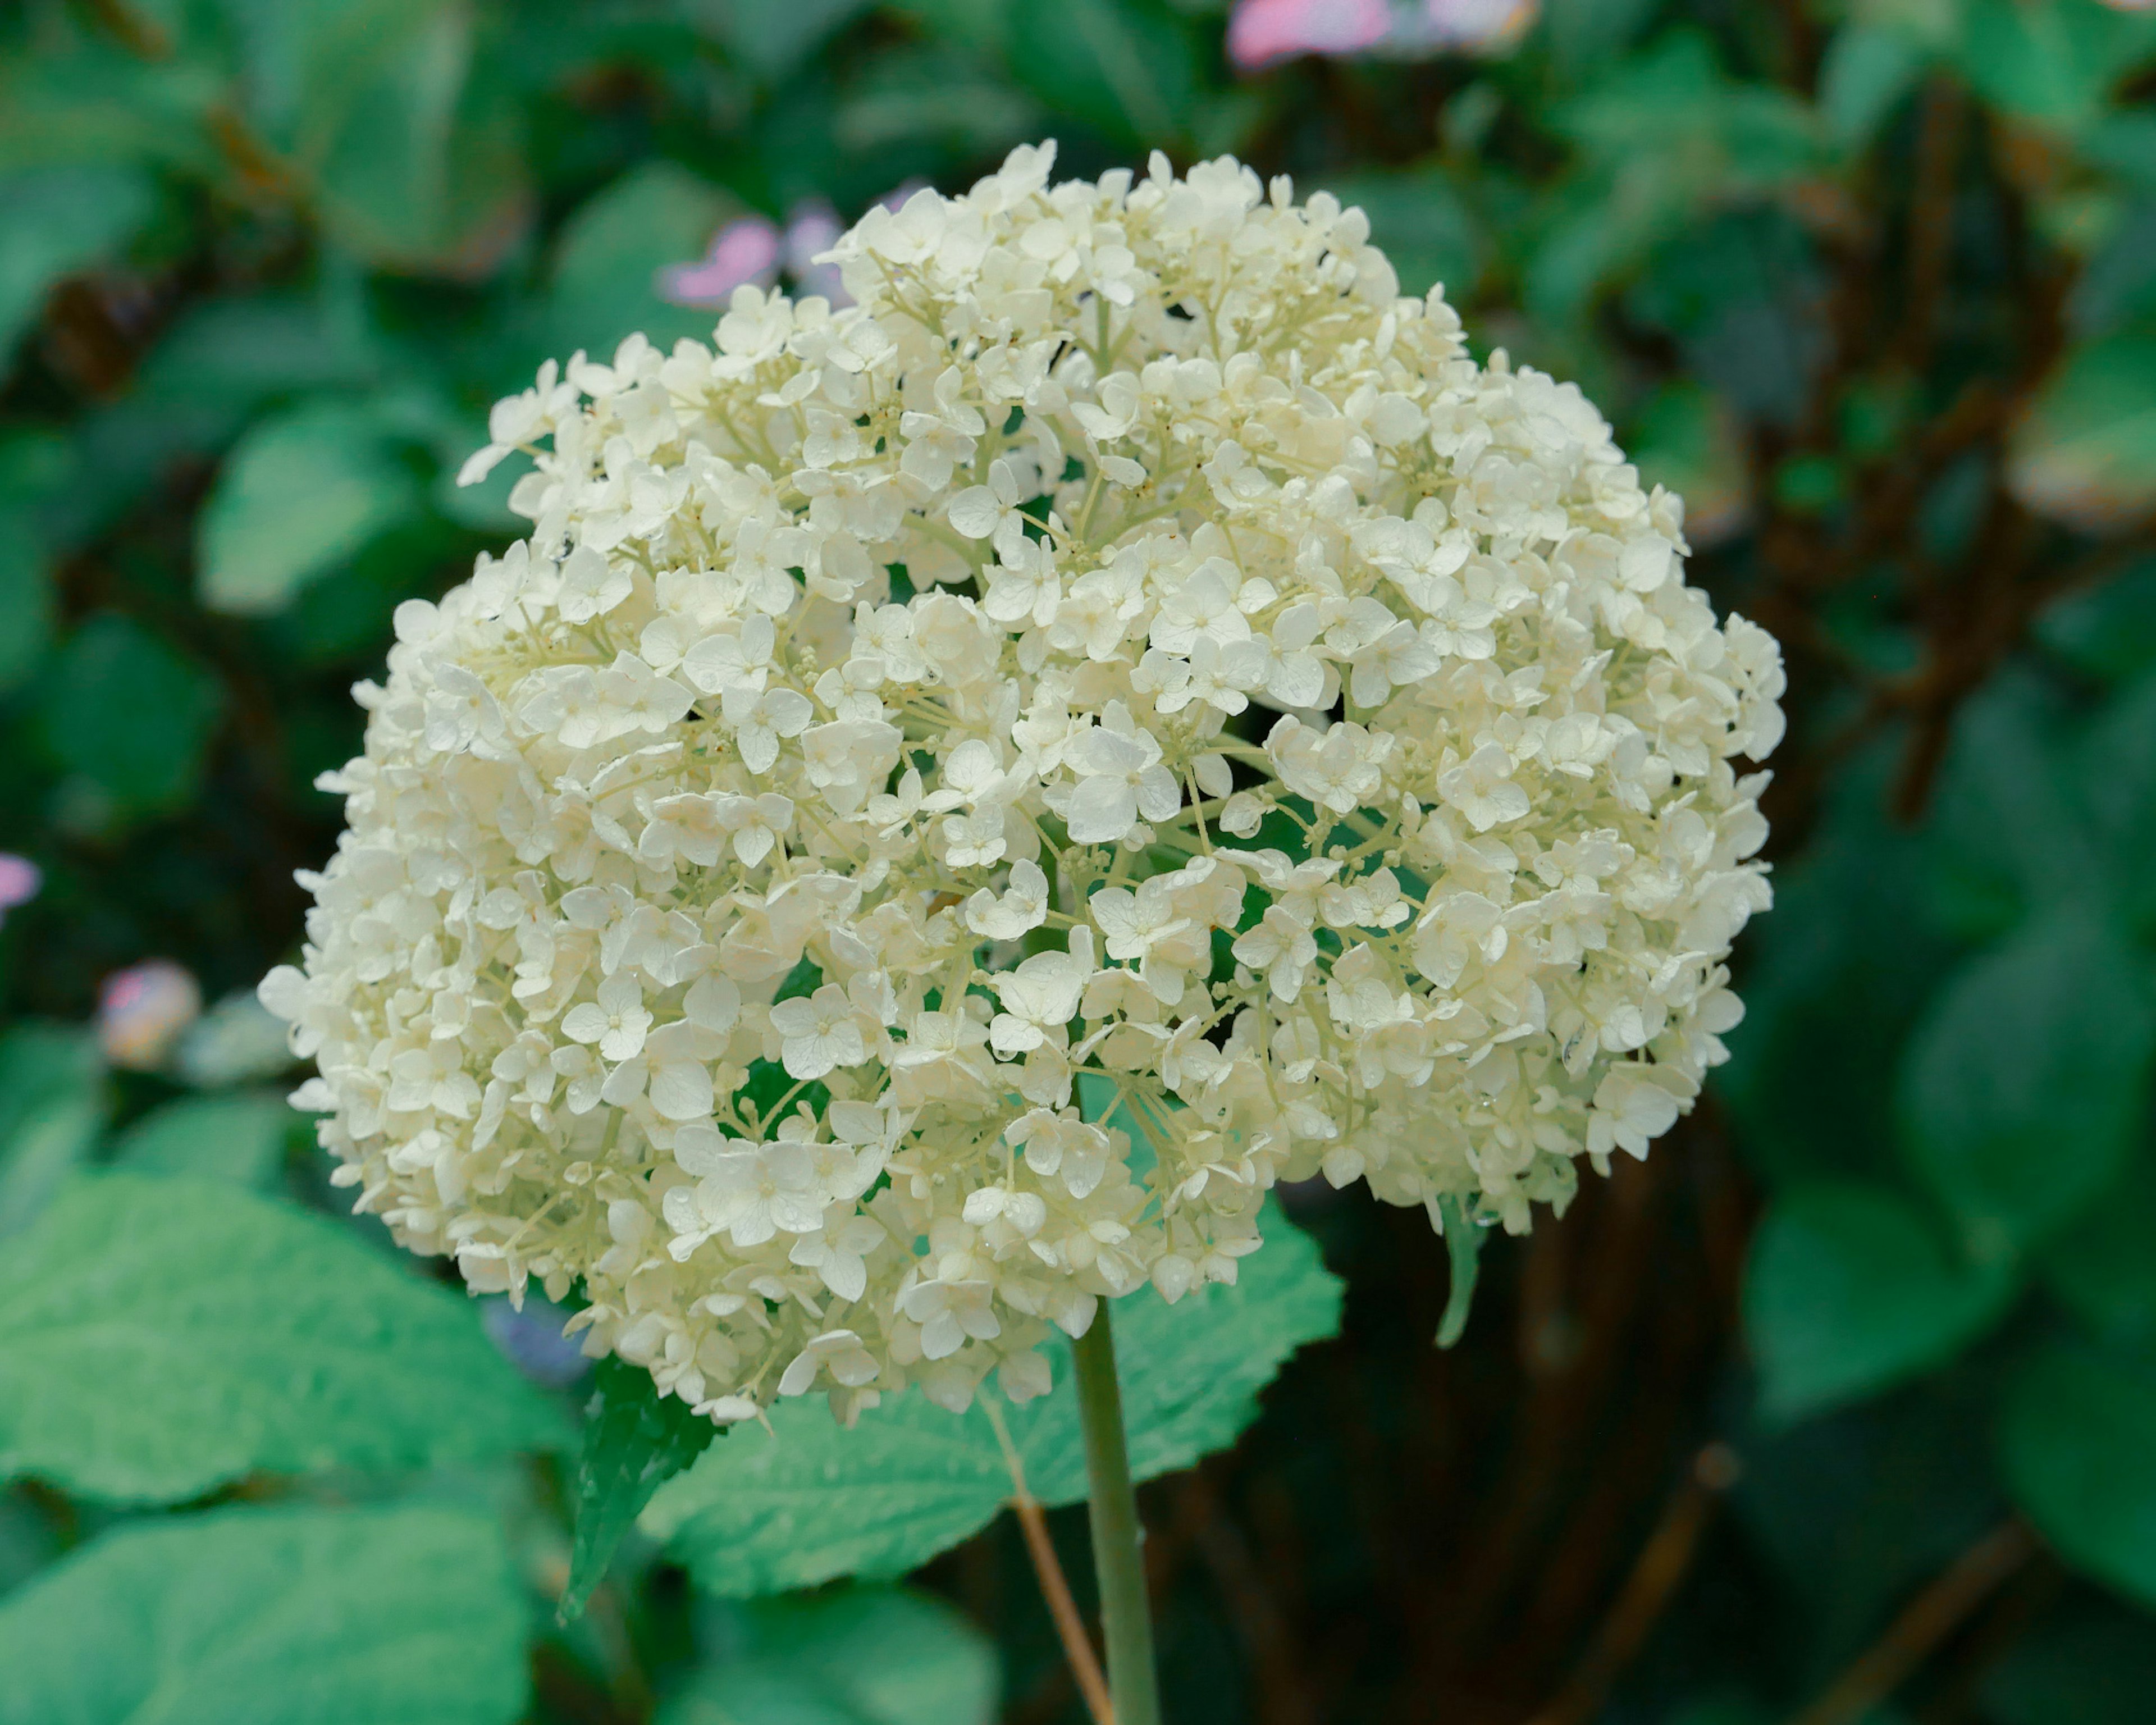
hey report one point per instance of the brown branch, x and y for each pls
(1927, 1621)
(1663, 1563)
(1070, 1626)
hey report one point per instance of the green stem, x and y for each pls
(1118, 1553)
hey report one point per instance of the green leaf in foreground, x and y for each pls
(763, 1512)
(635, 1441)
(1848, 1291)
(238, 1138)
(166, 1335)
(52, 1107)
(397, 1616)
(2077, 1437)
(858, 1656)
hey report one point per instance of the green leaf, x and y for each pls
(166, 1335)
(2107, 632)
(239, 1140)
(2052, 60)
(2085, 453)
(26, 601)
(55, 222)
(1848, 1291)
(2077, 1441)
(635, 1441)
(52, 1107)
(612, 250)
(1423, 225)
(2102, 1268)
(1863, 78)
(393, 1616)
(1685, 437)
(771, 41)
(854, 1656)
(763, 1512)
(2027, 1081)
(129, 714)
(303, 492)
(1129, 72)
(2095, 1666)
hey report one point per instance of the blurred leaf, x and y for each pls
(2077, 1440)
(2103, 1268)
(1128, 71)
(392, 113)
(98, 104)
(1685, 437)
(2052, 60)
(2119, 284)
(2028, 1080)
(303, 492)
(397, 1616)
(1424, 226)
(166, 1335)
(126, 711)
(2097, 1667)
(2108, 631)
(1848, 1291)
(854, 1656)
(2117, 760)
(935, 96)
(1864, 76)
(2085, 453)
(772, 40)
(761, 1513)
(239, 1140)
(55, 222)
(635, 1441)
(613, 247)
(52, 1108)
(239, 353)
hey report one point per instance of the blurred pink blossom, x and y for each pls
(743, 251)
(813, 227)
(19, 881)
(1264, 31)
(142, 1011)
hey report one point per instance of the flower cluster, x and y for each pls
(956, 797)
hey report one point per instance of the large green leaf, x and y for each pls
(635, 1441)
(240, 1138)
(303, 492)
(1848, 1291)
(2027, 1081)
(2077, 1439)
(2102, 1267)
(52, 1106)
(392, 1616)
(1128, 71)
(611, 251)
(763, 1512)
(855, 1655)
(55, 221)
(2050, 60)
(129, 714)
(165, 1335)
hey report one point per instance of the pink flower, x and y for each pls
(1264, 31)
(19, 881)
(743, 251)
(142, 1010)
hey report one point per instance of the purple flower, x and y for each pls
(142, 1010)
(741, 252)
(19, 881)
(1264, 31)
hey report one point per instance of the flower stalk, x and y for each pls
(1118, 1550)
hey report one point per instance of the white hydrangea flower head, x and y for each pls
(958, 796)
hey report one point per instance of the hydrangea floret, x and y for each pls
(957, 796)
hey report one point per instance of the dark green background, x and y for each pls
(1863, 1358)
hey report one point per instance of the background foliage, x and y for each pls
(1841, 1407)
